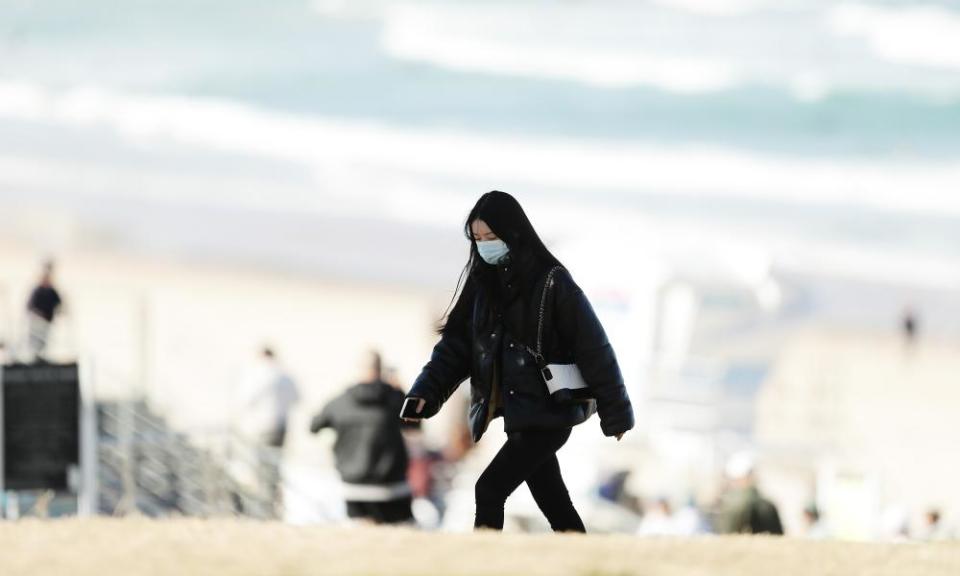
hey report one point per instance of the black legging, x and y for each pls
(527, 456)
(389, 512)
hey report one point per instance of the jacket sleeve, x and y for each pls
(324, 419)
(581, 332)
(449, 363)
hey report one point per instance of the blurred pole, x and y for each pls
(128, 503)
(6, 305)
(3, 457)
(127, 418)
(88, 498)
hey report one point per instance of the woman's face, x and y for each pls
(481, 232)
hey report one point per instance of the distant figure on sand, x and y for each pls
(934, 529)
(525, 334)
(658, 520)
(42, 309)
(744, 510)
(370, 451)
(267, 396)
(813, 523)
(909, 326)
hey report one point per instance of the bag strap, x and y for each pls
(547, 285)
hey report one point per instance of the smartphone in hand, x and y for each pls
(409, 409)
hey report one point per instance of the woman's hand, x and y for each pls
(420, 404)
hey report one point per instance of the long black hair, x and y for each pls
(529, 255)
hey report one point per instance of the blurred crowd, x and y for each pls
(391, 474)
(743, 508)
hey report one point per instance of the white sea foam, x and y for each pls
(720, 7)
(502, 40)
(366, 158)
(431, 176)
(924, 35)
(686, 46)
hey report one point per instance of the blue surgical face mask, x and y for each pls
(492, 251)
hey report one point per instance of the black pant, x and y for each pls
(389, 512)
(527, 456)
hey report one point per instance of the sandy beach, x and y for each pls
(243, 548)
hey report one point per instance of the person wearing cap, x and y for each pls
(743, 509)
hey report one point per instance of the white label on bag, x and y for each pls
(565, 376)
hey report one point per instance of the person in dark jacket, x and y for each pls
(42, 308)
(491, 334)
(370, 451)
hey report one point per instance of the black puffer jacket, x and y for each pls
(505, 380)
(370, 448)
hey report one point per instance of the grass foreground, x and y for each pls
(133, 547)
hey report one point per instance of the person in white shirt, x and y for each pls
(267, 396)
(265, 399)
(658, 520)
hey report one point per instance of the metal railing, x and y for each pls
(148, 468)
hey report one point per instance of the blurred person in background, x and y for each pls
(392, 376)
(42, 308)
(491, 335)
(614, 489)
(428, 503)
(689, 519)
(370, 451)
(934, 529)
(266, 398)
(909, 326)
(614, 507)
(658, 520)
(423, 473)
(814, 527)
(743, 509)
(662, 520)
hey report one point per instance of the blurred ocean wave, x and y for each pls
(782, 123)
(811, 78)
(362, 150)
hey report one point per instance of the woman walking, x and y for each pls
(519, 319)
